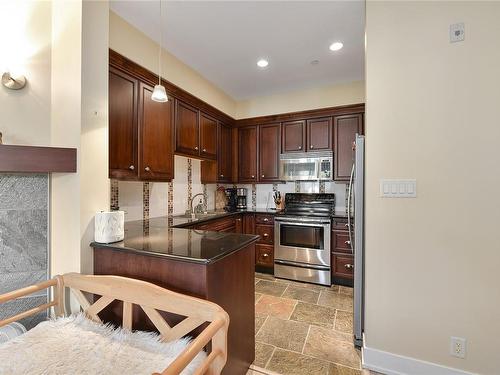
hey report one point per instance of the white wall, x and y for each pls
(25, 34)
(313, 98)
(432, 263)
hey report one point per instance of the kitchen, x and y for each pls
(185, 152)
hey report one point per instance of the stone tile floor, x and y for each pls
(303, 329)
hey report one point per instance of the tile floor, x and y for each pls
(303, 329)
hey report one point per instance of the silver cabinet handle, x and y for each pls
(196, 148)
(253, 176)
(266, 234)
(262, 176)
(222, 175)
(311, 147)
(204, 150)
(346, 225)
(300, 147)
(347, 242)
(349, 266)
(147, 169)
(266, 219)
(131, 167)
(265, 255)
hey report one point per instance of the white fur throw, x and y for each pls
(77, 345)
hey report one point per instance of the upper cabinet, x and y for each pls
(156, 162)
(269, 145)
(208, 137)
(224, 162)
(187, 129)
(294, 136)
(344, 135)
(319, 134)
(123, 91)
(247, 154)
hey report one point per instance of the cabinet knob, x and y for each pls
(346, 225)
(131, 167)
(262, 176)
(222, 175)
(266, 234)
(147, 169)
(196, 148)
(204, 150)
(300, 147)
(349, 266)
(347, 242)
(266, 219)
(311, 147)
(253, 176)
(265, 255)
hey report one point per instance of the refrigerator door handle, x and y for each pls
(349, 197)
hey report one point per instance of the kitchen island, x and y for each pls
(215, 266)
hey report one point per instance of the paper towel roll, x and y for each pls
(108, 226)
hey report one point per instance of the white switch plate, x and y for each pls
(398, 188)
(457, 32)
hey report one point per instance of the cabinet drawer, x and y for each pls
(219, 225)
(264, 255)
(264, 219)
(340, 242)
(340, 224)
(343, 266)
(266, 233)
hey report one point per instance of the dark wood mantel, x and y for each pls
(35, 159)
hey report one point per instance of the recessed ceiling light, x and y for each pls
(315, 62)
(336, 46)
(262, 63)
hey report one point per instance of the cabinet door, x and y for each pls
(224, 158)
(208, 137)
(319, 134)
(187, 136)
(269, 145)
(155, 137)
(247, 152)
(248, 223)
(264, 255)
(344, 134)
(123, 91)
(294, 136)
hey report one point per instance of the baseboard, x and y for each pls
(394, 364)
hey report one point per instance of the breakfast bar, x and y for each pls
(215, 266)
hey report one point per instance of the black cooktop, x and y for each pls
(309, 204)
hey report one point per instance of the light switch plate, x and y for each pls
(390, 188)
(457, 32)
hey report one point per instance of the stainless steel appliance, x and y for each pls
(302, 234)
(242, 198)
(356, 236)
(306, 166)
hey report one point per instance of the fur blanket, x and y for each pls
(77, 345)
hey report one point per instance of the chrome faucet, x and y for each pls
(192, 200)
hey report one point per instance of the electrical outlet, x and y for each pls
(458, 346)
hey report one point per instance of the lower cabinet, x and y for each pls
(264, 255)
(342, 256)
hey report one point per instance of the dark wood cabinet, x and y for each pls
(187, 129)
(264, 255)
(247, 154)
(343, 266)
(156, 160)
(224, 160)
(269, 145)
(208, 137)
(319, 134)
(264, 249)
(123, 90)
(342, 256)
(344, 134)
(293, 136)
(249, 223)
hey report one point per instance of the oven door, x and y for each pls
(303, 242)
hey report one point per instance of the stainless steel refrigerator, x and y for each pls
(355, 216)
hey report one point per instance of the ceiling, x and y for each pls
(223, 40)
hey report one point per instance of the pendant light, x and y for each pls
(159, 93)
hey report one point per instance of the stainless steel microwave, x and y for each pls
(306, 166)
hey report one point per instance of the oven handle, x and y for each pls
(304, 223)
(302, 265)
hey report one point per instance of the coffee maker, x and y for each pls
(242, 199)
(232, 200)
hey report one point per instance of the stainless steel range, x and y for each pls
(302, 238)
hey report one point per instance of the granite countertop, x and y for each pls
(181, 221)
(159, 237)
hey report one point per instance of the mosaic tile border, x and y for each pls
(254, 196)
(189, 181)
(146, 195)
(114, 196)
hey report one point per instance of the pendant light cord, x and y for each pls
(159, 54)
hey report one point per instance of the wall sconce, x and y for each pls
(13, 82)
